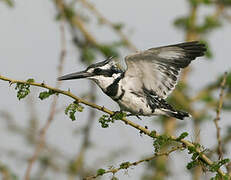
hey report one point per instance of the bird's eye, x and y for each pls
(97, 70)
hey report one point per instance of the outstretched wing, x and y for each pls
(158, 69)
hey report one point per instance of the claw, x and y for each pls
(138, 117)
(134, 115)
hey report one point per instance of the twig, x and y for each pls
(80, 24)
(128, 164)
(193, 34)
(225, 140)
(42, 134)
(227, 16)
(142, 129)
(219, 149)
(170, 123)
(109, 23)
(6, 174)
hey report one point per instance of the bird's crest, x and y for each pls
(118, 63)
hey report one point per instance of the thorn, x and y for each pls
(102, 108)
(43, 83)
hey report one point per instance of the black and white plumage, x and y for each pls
(148, 78)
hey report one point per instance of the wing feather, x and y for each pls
(159, 68)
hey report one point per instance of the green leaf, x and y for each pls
(192, 164)
(195, 156)
(69, 12)
(182, 136)
(207, 97)
(108, 50)
(228, 80)
(118, 26)
(124, 165)
(226, 177)
(88, 55)
(71, 110)
(210, 23)
(105, 120)
(30, 80)
(191, 149)
(23, 89)
(118, 115)
(194, 2)
(10, 174)
(9, 3)
(45, 94)
(161, 141)
(215, 166)
(100, 172)
(225, 2)
(182, 23)
(153, 134)
(207, 2)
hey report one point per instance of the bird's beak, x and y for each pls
(77, 75)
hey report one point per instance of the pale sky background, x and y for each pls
(30, 47)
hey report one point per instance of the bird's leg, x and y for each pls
(141, 112)
(134, 115)
(139, 117)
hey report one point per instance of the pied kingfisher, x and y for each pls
(142, 82)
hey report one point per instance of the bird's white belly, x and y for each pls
(136, 105)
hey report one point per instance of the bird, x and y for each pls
(141, 82)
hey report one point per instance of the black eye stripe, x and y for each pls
(107, 72)
(97, 70)
(103, 72)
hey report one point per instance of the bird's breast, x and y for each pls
(131, 99)
(134, 103)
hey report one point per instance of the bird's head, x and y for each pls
(103, 73)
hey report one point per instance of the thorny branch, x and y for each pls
(128, 165)
(193, 34)
(142, 129)
(42, 134)
(219, 149)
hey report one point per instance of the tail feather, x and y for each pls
(177, 114)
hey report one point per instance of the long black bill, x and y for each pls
(77, 75)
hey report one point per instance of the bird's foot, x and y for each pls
(138, 117)
(134, 115)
